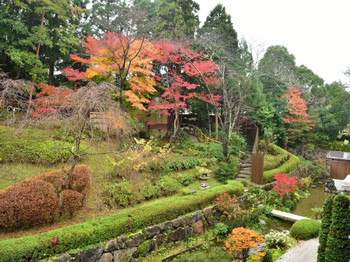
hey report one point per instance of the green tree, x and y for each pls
(326, 223)
(105, 16)
(176, 19)
(338, 241)
(219, 23)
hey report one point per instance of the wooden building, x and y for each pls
(340, 164)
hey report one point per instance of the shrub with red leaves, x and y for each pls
(284, 184)
(27, 203)
(36, 200)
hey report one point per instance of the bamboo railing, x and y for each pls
(203, 138)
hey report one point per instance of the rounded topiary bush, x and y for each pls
(27, 203)
(305, 229)
(71, 200)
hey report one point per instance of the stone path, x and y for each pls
(193, 138)
(245, 172)
(305, 251)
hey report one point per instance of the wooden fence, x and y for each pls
(257, 161)
(340, 169)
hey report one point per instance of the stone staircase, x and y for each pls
(245, 172)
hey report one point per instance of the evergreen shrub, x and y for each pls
(338, 241)
(326, 223)
(305, 229)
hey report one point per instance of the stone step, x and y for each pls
(243, 176)
(246, 172)
(246, 168)
(240, 178)
(246, 165)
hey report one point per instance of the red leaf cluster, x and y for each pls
(180, 77)
(50, 99)
(284, 184)
(297, 108)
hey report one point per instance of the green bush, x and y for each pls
(221, 230)
(276, 239)
(286, 167)
(226, 171)
(210, 150)
(95, 231)
(31, 145)
(305, 229)
(338, 146)
(326, 223)
(168, 186)
(274, 161)
(268, 256)
(177, 162)
(338, 241)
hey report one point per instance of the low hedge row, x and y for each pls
(30, 145)
(289, 165)
(95, 231)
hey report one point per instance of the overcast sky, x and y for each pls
(316, 32)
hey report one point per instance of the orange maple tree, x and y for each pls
(297, 117)
(120, 59)
(240, 241)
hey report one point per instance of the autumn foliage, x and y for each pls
(117, 58)
(284, 184)
(35, 200)
(27, 203)
(240, 241)
(50, 99)
(297, 117)
(178, 67)
(227, 204)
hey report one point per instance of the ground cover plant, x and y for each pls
(126, 220)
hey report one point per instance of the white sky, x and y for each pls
(316, 32)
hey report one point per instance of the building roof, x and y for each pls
(338, 155)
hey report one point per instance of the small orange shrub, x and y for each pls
(240, 241)
(29, 202)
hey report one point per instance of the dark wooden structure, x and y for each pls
(257, 160)
(340, 164)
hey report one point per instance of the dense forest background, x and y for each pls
(38, 36)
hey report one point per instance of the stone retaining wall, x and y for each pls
(129, 248)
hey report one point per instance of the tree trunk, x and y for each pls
(51, 71)
(121, 96)
(35, 65)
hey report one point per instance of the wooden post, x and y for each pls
(216, 126)
(257, 168)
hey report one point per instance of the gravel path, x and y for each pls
(305, 251)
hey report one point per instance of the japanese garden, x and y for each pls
(133, 131)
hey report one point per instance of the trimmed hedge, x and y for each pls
(31, 145)
(326, 223)
(338, 242)
(36, 200)
(27, 203)
(289, 165)
(124, 221)
(305, 229)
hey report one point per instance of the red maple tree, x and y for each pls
(50, 100)
(178, 80)
(297, 117)
(284, 184)
(120, 59)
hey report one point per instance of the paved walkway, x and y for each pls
(306, 251)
